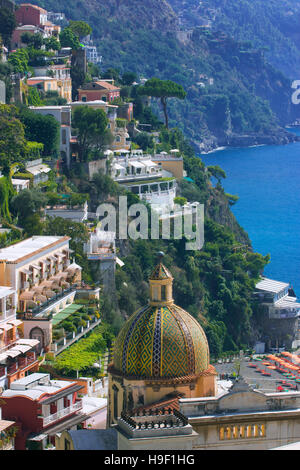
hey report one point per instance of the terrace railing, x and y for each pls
(43, 306)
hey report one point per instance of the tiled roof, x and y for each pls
(161, 343)
(160, 273)
(169, 403)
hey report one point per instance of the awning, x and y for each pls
(120, 262)
(24, 349)
(137, 164)
(48, 284)
(13, 353)
(149, 163)
(3, 357)
(26, 271)
(116, 166)
(36, 170)
(6, 327)
(15, 322)
(35, 266)
(29, 342)
(27, 296)
(68, 250)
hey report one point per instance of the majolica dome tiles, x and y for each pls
(158, 342)
(160, 273)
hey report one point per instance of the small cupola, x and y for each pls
(161, 285)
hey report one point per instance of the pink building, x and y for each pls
(41, 408)
(98, 90)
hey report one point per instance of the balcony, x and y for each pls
(136, 177)
(50, 303)
(21, 364)
(62, 413)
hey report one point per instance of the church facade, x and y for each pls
(161, 352)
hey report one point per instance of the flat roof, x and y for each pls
(5, 291)
(269, 285)
(31, 378)
(28, 248)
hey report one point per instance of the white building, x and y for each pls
(38, 170)
(92, 54)
(43, 280)
(276, 296)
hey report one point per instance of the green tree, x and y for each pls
(43, 129)
(80, 28)
(128, 78)
(34, 40)
(52, 44)
(91, 126)
(7, 25)
(217, 172)
(19, 61)
(12, 134)
(25, 204)
(163, 89)
(68, 38)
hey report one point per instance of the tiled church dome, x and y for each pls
(161, 341)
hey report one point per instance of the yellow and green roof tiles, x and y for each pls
(161, 342)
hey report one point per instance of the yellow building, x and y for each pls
(171, 164)
(161, 351)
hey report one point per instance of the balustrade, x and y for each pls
(62, 413)
(244, 431)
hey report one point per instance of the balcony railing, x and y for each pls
(137, 177)
(62, 413)
(70, 338)
(20, 365)
(50, 302)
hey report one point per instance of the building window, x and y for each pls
(155, 294)
(64, 137)
(115, 389)
(163, 293)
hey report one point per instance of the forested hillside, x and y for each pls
(234, 97)
(273, 24)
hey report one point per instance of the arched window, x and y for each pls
(115, 390)
(37, 333)
(163, 293)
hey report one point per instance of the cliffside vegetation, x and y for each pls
(231, 88)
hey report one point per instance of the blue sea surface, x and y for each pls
(267, 181)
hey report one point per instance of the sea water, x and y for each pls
(267, 181)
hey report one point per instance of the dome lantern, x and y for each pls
(161, 285)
